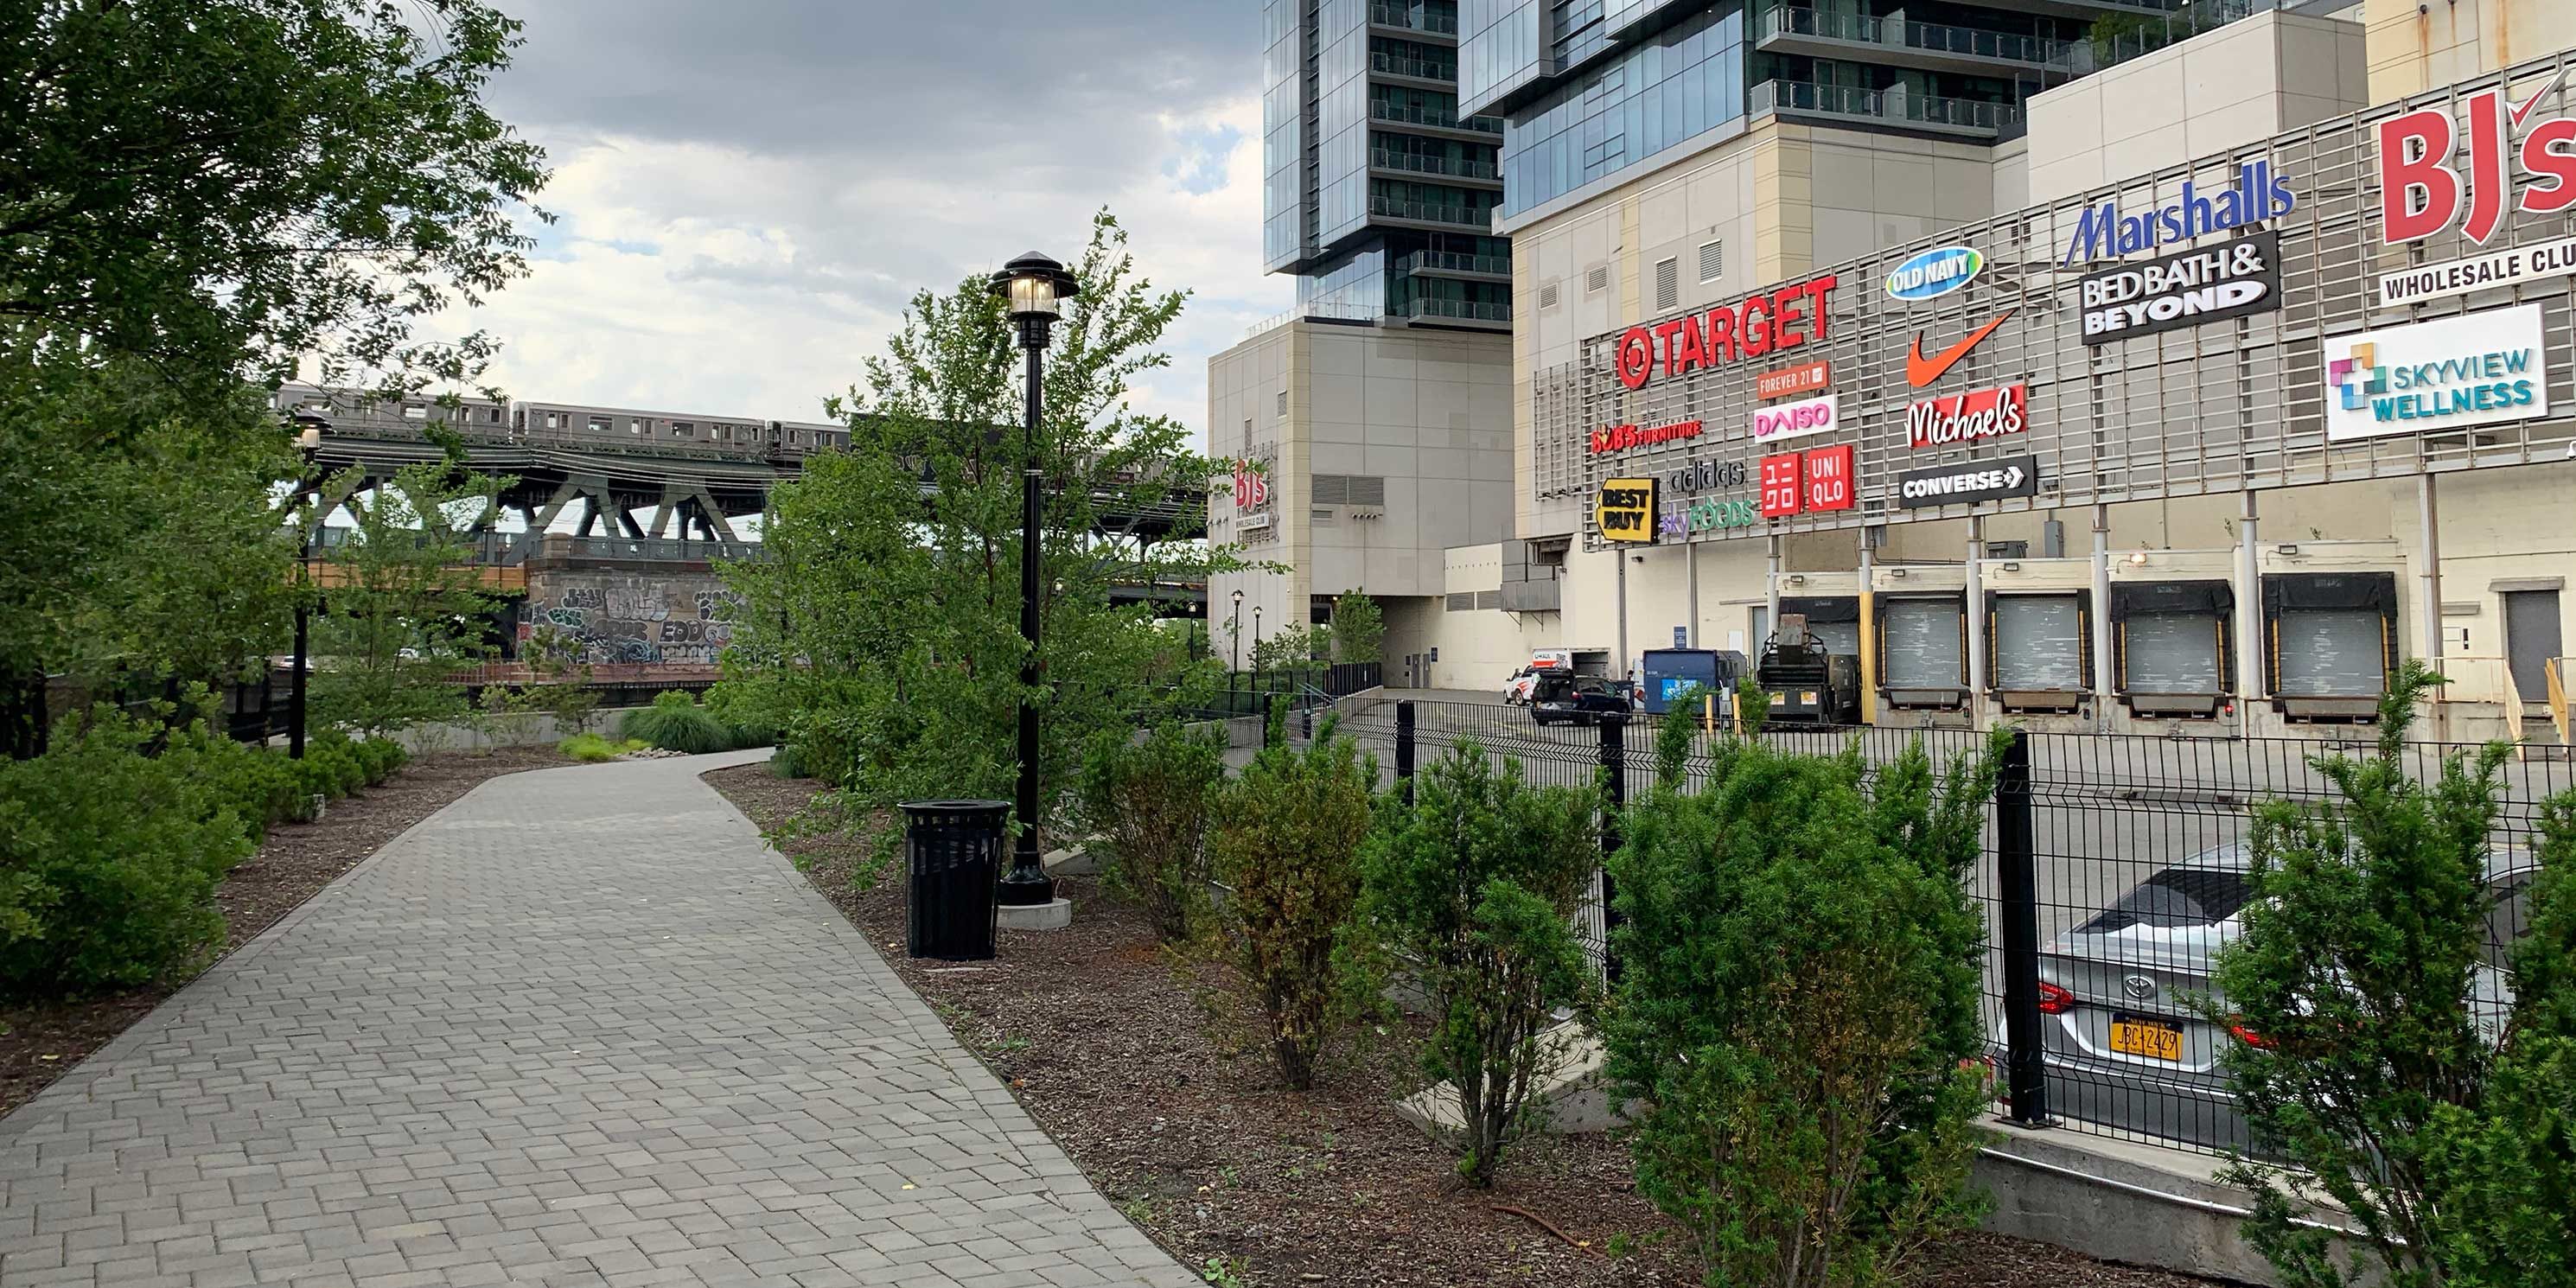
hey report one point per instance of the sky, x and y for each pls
(747, 192)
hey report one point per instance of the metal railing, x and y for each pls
(1382, 159)
(1430, 306)
(1455, 262)
(1432, 212)
(1774, 97)
(1932, 37)
(1418, 68)
(1306, 312)
(1440, 117)
(645, 549)
(2553, 669)
(1391, 15)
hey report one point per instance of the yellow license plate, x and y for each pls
(2150, 1038)
(1808, 697)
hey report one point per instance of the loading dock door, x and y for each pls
(2331, 653)
(2530, 639)
(1922, 642)
(1842, 638)
(1835, 619)
(2173, 653)
(2039, 643)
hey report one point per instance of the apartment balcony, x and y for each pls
(1478, 315)
(1445, 263)
(1957, 117)
(1931, 46)
(1433, 75)
(1417, 26)
(1435, 215)
(2088, 8)
(1407, 165)
(1482, 129)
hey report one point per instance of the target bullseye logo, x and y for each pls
(1636, 357)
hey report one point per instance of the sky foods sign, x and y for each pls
(2212, 284)
(2480, 369)
(2256, 194)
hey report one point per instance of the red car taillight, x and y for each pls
(2054, 1000)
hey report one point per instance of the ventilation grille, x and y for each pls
(1712, 260)
(1348, 489)
(1461, 601)
(1547, 296)
(1596, 280)
(1283, 402)
(1489, 599)
(1668, 283)
(1368, 489)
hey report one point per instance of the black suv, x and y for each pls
(1578, 698)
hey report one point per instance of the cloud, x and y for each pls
(749, 193)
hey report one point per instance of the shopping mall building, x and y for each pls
(2189, 394)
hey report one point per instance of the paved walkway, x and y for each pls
(579, 1027)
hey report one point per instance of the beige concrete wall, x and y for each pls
(2415, 45)
(1425, 410)
(2246, 81)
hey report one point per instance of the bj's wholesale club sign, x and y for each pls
(2438, 171)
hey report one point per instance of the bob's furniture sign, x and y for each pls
(2481, 369)
(2212, 284)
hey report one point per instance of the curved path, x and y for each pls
(579, 1027)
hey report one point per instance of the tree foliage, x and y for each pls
(1150, 800)
(882, 633)
(1798, 1009)
(2409, 1083)
(406, 608)
(1359, 629)
(1287, 848)
(215, 185)
(1473, 891)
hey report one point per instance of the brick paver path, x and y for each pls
(580, 1027)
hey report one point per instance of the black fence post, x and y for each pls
(1614, 769)
(1404, 749)
(2017, 891)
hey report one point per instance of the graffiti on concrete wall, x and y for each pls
(612, 618)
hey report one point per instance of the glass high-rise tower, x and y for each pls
(1377, 194)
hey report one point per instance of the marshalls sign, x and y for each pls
(2212, 284)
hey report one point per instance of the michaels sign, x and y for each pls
(2256, 194)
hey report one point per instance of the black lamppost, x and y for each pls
(1234, 643)
(1032, 288)
(308, 443)
(1256, 648)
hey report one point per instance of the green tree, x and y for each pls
(882, 632)
(406, 606)
(1287, 848)
(1473, 889)
(2385, 1063)
(1150, 800)
(221, 184)
(1359, 629)
(1798, 1012)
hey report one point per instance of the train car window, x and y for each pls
(683, 429)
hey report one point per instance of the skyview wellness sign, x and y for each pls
(2481, 369)
(2194, 287)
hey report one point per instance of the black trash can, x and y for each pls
(953, 855)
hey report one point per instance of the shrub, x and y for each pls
(675, 722)
(1677, 735)
(338, 762)
(1149, 801)
(1475, 889)
(591, 749)
(391, 755)
(113, 859)
(2382, 1073)
(1798, 1010)
(1287, 848)
(788, 762)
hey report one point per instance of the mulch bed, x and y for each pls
(1149, 1072)
(43, 1041)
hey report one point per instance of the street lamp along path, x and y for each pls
(1032, 288)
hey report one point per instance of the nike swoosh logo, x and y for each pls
(2523, 108)
(1920, 371)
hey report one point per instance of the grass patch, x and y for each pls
(591, 749)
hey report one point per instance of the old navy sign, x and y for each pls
(1968, 482)
(2424, 188)
(1934, 273)
(1764, 323)
(2228, 280)
(1969, 417)
(2256, 194)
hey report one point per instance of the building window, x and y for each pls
(415, 411)
(1668, 283)
(1712, 260)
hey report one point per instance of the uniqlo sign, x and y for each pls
(1829, 478)
(1780, 485)
(2425, 186)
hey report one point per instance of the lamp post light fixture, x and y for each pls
(1032, 289)
(1256, 648)
(308, 444)
(1234, 633)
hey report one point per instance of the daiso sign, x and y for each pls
(2426, 185)
(1795, 419)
